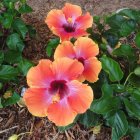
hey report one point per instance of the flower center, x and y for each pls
(69, 20)
(81, 59)
(59, 89)
(69, 27)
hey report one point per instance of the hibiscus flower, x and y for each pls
(84, 50)
(69, 22)
(55, 92)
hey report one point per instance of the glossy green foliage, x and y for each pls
(13, 33)
(119, 98)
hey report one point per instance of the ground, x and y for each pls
(15, 120)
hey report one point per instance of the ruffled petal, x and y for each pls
(37, 101)
(72, 11)
(92, 68)
(79, 32)
(65, 49)
(84, 21)
(40, 75)
(55, 19)
(81, 78)
(66, 68)
(61, 113)
(65, 36)
(86, 48)
(80, 96)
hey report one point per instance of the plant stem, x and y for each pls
(128, 78)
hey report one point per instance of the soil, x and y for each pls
(15, 119)
(95, 7)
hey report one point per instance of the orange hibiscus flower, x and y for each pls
(69, 22)
(84, 50)
(55, 93)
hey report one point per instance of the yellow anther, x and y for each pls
(69, 20)
(56, 98)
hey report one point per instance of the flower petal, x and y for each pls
(71, 11)
(79, 32)
(85, 47)
(84, 21)
(64, 36)
(80, 96)
(37, 101)
(66, 68)
(61, 113)
(81, 78)
(55, 19)
(40, 75)
(92, 68)
(65, 49)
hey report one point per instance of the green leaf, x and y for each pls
(24, 66)
(137, 40)
(115, 21)
(89, 119)
(103, 46)
(14, 42)
(107, 91)
(117, 120)
(125, 51)
(11, 100)
(111, 37)
(133, 108)
(96, 19)
(118, 88)
(134, 80)
(12, 57)
(106, 103)
(137, 71)
(136, 135)
(52, 44)
(135, 93)
(8, 1)
(25, 9)
(23, 1)
(1, 57)
(7, 72)
(7, 20)
(1, 106)
(127, 27)
(20, 27)
(130, 13)
(1, 85)
(112, 68)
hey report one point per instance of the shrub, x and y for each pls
(117, 92)
(13, 31)
(55, 87)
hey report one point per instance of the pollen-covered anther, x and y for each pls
(56, 98)
(69, 20)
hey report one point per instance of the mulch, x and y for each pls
(16, 120)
